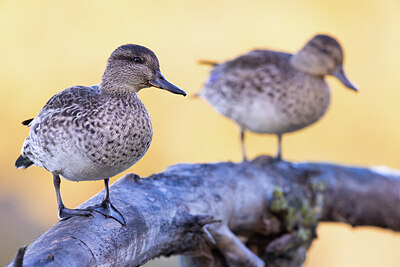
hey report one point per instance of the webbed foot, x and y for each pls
(108, 210)
(65, 213)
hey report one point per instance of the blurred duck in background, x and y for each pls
(272, 92)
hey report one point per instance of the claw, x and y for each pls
(65, 213)
(105, 208)
(108, 210)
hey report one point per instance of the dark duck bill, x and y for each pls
(160, 82)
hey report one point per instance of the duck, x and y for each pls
(89, 133)
(273, 92)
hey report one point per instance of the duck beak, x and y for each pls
(339, 73)
(160, 82)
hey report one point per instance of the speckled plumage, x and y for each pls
(272, 92)
(263, 93)
(93, 133)
(83, 134)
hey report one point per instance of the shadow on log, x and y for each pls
(254, 213)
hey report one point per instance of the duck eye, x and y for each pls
(324, 50)
(138, 60)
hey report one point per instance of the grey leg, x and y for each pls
(63, 212)
(279, 154)
(57, 182)
(242, 144)
(107, 190)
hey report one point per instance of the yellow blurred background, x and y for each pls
(47, 46)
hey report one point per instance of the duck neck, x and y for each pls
(112, 84)
(299, 61)
(310, 64)
(115, 89)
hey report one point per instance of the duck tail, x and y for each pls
(27, 122)
(195, 95)
(207, 62)
(22, 162)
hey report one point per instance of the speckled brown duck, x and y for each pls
(94, 133)
(273, 92)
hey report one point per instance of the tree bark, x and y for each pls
(254, 213)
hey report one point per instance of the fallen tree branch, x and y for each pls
(222, 214)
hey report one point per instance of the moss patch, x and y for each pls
(299, 208)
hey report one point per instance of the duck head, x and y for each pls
(132, 68)
(322, 55)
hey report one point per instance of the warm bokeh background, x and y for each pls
(47, 46)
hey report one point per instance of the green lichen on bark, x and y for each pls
(299, 208)
(279, 202)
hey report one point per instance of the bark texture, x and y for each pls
(254, 213)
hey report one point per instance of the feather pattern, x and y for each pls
(84, 134)
(264, 93)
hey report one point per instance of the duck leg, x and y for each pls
(242, 144)
(106, 208)
(63, 212)
(279, 154)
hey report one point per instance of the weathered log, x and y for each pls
(222, 214)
